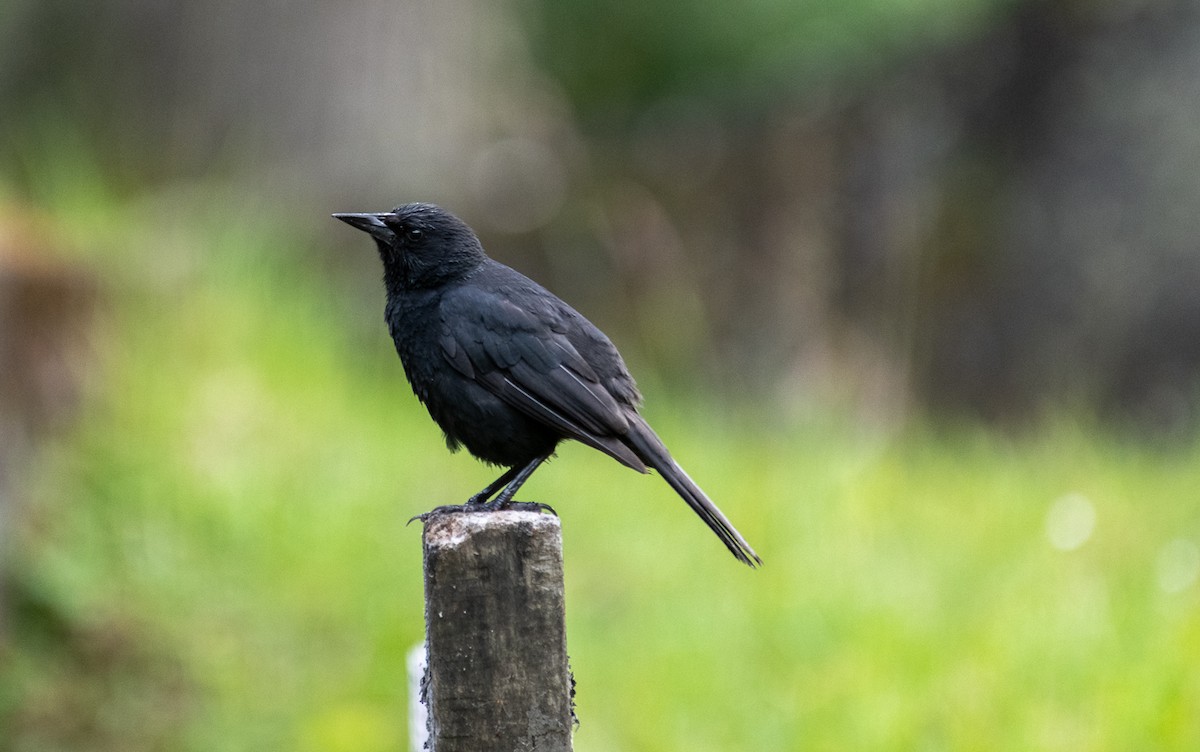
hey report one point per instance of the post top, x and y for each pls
(451, 529)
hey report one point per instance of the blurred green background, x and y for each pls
(910, 288)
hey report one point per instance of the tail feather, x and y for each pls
(646, 444)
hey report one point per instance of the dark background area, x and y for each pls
(975, 207)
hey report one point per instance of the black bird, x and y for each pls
(506, 368)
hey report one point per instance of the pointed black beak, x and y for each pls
(372, 224)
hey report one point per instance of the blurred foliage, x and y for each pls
(231, 512)
(615, 58)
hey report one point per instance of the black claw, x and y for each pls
(470, 506)
(522, 506)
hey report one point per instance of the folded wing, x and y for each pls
(529, 360)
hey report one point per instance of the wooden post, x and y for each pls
(498, 679)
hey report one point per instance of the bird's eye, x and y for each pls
(413, 234)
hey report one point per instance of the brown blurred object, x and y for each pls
(47, 304)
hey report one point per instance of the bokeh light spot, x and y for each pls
(1070, 521)
(1178, 565)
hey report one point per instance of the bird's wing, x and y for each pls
(527, 359)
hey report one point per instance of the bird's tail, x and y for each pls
(646, 444)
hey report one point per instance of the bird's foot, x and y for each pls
(484, 506)
(519, 506)
(445, 509)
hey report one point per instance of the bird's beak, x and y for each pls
(372, 224)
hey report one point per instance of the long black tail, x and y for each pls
(646, 444)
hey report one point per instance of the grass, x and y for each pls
(226, 527)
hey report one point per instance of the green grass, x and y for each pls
(230, 514)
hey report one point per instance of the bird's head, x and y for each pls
(421, 245)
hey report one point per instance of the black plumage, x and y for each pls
(506, 368)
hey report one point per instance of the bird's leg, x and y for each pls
(510, 481)
(481, 498)
(515, 483)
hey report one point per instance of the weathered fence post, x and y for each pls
(494, 625)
